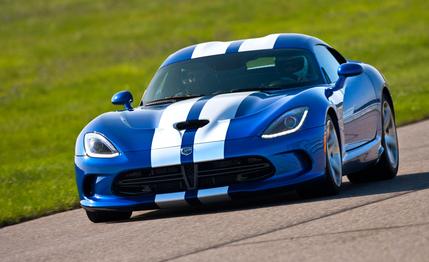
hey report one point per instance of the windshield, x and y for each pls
(256, 70)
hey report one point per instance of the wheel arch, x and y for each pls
(386, 92)
(333, 115)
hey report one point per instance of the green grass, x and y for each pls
(61, 61)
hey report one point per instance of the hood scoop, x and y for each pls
(191, 124)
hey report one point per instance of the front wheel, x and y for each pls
(330, 184)
(107, 216)
(387, 165)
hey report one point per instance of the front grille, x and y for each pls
(192, 176)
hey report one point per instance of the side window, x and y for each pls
(328, 63)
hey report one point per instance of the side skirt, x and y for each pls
(359, 158)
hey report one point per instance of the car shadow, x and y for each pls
(402, 183)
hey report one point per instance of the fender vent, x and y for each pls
(191, 124)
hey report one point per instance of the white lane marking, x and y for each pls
(165, 149)
(219, 111)
(212, 195)
(171, 200)
(210, 48)
(261, 43)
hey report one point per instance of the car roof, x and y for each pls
(272, 41)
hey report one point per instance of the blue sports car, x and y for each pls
(222, 119)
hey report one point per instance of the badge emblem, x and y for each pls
(186, 151)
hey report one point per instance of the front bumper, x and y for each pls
(297, 158)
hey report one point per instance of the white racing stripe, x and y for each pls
(165, 149)
(209, 140)
(261, 43)
(212, 195)
(210, 48)
(205, 196)
(171, 200)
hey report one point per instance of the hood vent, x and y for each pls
(191, 124)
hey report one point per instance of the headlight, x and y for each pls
(96, 145)
(288, 123)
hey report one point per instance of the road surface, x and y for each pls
(380, 221)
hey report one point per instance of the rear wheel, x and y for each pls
(106, 216)
(330, 184)
(387, 166)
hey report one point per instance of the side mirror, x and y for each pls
(123, 98)
(350, 69)
(344, 70)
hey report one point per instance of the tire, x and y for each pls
(107, 216)
(330, 183)
(388, 163)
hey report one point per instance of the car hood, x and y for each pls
(229, 116)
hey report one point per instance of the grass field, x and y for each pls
(61, 61)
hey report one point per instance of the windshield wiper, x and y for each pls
(170, 99)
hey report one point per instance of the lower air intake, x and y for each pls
(192, 176)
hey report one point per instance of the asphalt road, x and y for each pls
(380, 221)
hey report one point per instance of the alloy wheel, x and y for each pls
(333, 154)
(390, 136)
